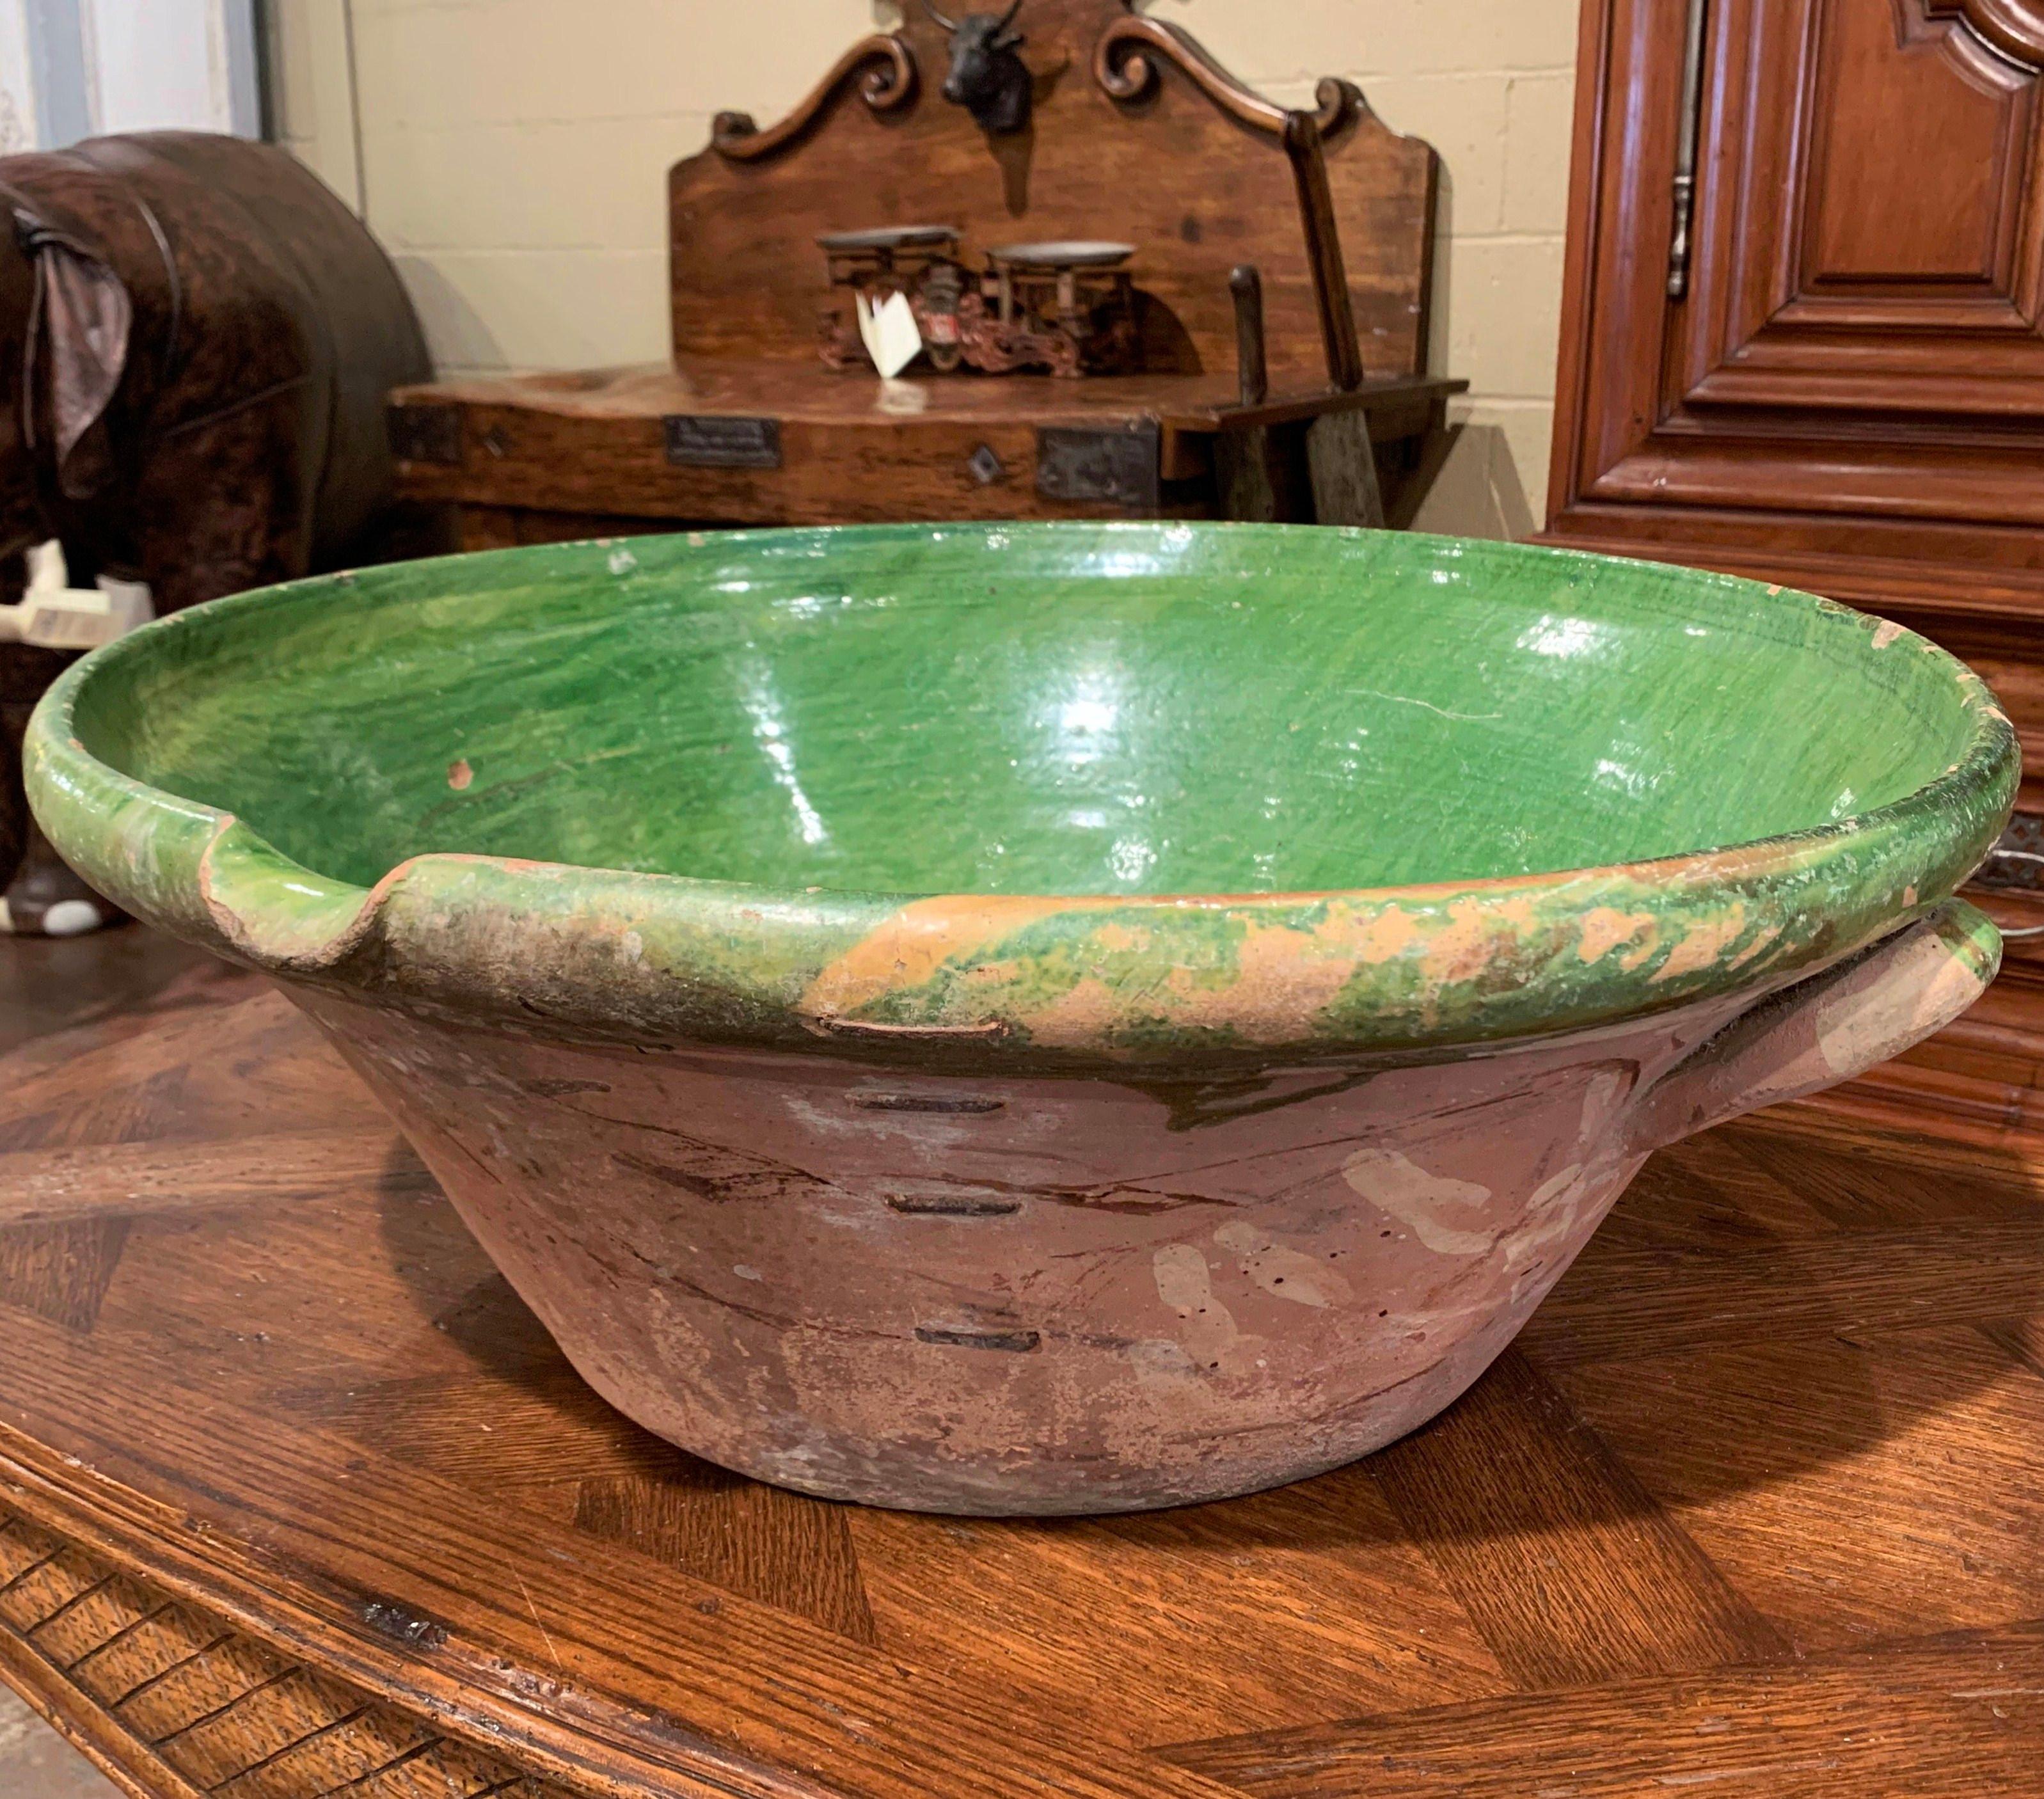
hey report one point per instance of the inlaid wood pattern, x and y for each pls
(298, 1501)
(60, 1270)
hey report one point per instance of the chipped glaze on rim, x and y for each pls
(1008, 981)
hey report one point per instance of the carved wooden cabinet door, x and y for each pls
(1840, 377)
(1802, 341)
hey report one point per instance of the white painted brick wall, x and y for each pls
(512, 155)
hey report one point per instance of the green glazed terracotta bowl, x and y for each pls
(1046, 1018)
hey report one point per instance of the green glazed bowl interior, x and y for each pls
(837, 723)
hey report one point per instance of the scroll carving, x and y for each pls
(887, 82)
(1125, 64)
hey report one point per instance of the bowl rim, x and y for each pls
(610, 955)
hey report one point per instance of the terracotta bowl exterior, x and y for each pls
(1047, 1019)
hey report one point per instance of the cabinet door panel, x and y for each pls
(1917, 131)
(1869, 216)
(1862, 320)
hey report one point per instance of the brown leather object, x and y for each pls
(196, 339)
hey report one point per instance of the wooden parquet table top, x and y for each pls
(297, 1499)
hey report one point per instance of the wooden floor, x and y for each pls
(37, 1763)
(297, 1499)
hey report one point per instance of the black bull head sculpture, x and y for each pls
(986, 77)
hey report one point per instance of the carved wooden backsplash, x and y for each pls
(1133, 133)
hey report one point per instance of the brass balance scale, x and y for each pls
(1067, 307)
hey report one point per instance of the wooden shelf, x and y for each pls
(594, 446)
(1195, 405)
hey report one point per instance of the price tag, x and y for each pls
(889, 331)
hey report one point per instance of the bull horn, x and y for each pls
(949, 24)
(1008, 18)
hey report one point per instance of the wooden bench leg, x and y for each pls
(1343, 469)
(1261, 473)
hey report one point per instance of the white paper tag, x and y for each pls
(130, 601)
(46, 572)
(53, 615)
(889, 333)
(62, 618)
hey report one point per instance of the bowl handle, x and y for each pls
(1828, 1028)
